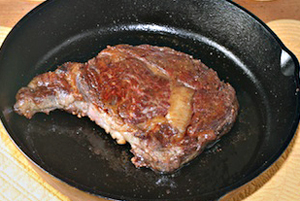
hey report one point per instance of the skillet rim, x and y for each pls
(221, 192)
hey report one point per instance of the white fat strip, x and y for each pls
(180, 110)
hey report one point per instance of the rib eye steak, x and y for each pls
(166, 104)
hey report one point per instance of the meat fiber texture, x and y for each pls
(166, 104)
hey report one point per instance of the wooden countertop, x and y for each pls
(280, 182)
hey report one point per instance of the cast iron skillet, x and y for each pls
(224, 36)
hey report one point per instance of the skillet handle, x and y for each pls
(289, 64)
(287, 32)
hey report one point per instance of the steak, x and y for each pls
(166, 104)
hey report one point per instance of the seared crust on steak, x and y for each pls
(166, 104)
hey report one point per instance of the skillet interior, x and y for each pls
(226, 38)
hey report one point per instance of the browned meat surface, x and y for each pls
(166, 104)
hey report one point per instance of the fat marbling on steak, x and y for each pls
(166, 104)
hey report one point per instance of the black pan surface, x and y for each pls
(224, 36)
